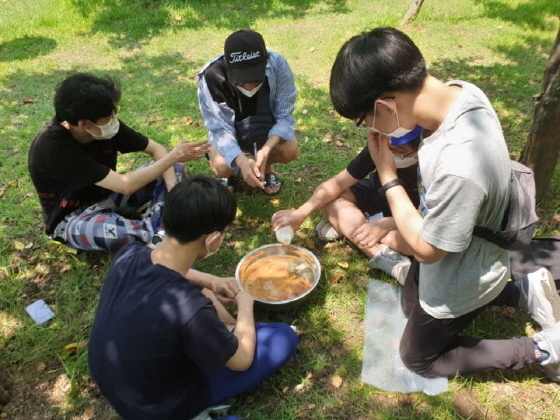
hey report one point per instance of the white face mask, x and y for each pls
(405, 162)
(397, 132)
(249, 93)
(108, 130)
(210, 253)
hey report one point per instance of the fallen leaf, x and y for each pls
(285, 389)
(336, 277)
(65, 268)
(331, 245)
(297, 180)
(71, 348)
(20, 246)
(311, 49)
(339, 143)
(336, 381)
(28, 101)
(310, 406)
(343, 264)
(299, 387)
(41, 366)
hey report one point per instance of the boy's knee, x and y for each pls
(414, 362)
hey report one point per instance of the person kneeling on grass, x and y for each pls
(380, 77)
(351, 198)
(247, 97)
(162, 347)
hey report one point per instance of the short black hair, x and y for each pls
(83, 96)
(197, 206)
(370, 64)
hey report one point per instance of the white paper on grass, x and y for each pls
(40, 311)
(382, 366)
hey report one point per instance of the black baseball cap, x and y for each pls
(245, 56)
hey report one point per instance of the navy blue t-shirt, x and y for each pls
(154, 338)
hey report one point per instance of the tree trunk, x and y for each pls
(543, 145)
(413, 11)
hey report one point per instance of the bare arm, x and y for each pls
(225, 288)
(131, 182)
(157, 151)
(323, 194)
(245, 333)
(407, 218)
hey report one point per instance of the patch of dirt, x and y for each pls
(44, 396)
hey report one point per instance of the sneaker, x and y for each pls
(392, 263)
(156, 239)
(326, 231)
(539, 297)
(547, 343)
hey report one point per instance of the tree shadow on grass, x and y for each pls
(134, 22)
(530, 14)
(509, 86)
(26, 47)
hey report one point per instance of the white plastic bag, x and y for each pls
(384, 324)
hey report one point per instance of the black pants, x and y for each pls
(432, 347)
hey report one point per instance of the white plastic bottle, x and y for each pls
(284, 235)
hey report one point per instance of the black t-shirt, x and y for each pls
(361, 165)
(223, 91)
(64, 171)
(154, 338)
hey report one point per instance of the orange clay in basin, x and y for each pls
(276, 279)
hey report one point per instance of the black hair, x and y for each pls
(196, 206)
(84, 96)
(370, 64)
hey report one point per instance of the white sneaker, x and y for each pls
(548, 343)
(326, 231)
(392, 263)
(156, 239)
(539, 297)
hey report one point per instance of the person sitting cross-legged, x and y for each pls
(86, 203)
(163, 347)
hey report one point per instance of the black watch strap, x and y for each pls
(388, 185)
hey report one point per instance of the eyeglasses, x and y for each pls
(412, 153)
(360, 121)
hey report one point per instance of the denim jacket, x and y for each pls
(219, 118)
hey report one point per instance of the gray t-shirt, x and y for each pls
(465, 169)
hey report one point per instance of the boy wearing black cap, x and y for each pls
(247, 97)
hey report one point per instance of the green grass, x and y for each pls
(155, 48)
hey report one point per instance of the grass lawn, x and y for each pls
(155, 48)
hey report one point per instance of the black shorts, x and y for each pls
(368, 200)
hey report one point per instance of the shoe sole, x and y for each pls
(319, 229)
(549, 291)
(552, 375)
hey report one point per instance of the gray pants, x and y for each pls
(433, 347)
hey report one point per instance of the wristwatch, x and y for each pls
(388, 185)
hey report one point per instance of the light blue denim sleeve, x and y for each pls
(283, 94)
(219, 120)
